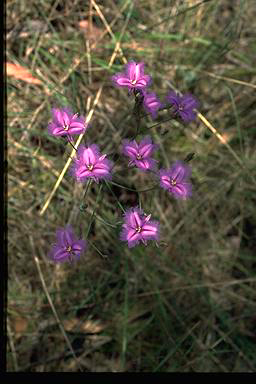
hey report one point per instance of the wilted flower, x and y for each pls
(140, 153)
(151, 103)
(176, 180)
(68, 247)
(133, 78)
(64, 122)
(138, 227)
(183, 105)
(90, 164)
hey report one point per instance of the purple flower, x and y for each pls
(183, 105)
(176, 180)
(138, 227)
(90, 164)
(133, 78)
(140, 153)
(64, 122)
(152, 104)
(68, 247)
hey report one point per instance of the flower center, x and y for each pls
(65, 127)
(90, 167)
(138, 229)
(173, 182)
(138, 156)
(133, 82)
(69, 249)
(181, 107)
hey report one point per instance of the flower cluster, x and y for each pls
(134, 79)
(90, 164)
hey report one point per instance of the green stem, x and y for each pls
(92, 215)
(126, 311)
(131, 189)
(118, 203)
(85, 193)
(71, 143)
(97, 249)
(155, 125)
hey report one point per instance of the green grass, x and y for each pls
(189, 305)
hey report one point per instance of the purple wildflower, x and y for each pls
(90, 164)
(151, 103)
(133, 78)
(64, 122)
(140, 153)
(68, 247)
(138, 227)
(176, 180)
(183, 105)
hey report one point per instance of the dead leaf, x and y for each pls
(21, 73)
(88, 326)
(20, 326)
(92, 327)
(136, 46)
(70, 324)
(92, 33)
(227, 136)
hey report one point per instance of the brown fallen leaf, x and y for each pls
(92, 34)
(21, 73)
(20, 326)
(227, 136)
(136, 46)
(88, 326)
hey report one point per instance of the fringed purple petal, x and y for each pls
(122, 81)
(190, 102)
(130, 148)
(150, 230)
(131, 70)
(79, 247)
(82, 173)
(181, 191)
(58, 254)
(146, 147)
(165, 181)
(173, 98)
(56, 130)
(143, 82)
(89, 157)
(143, 164)
(180, 171)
